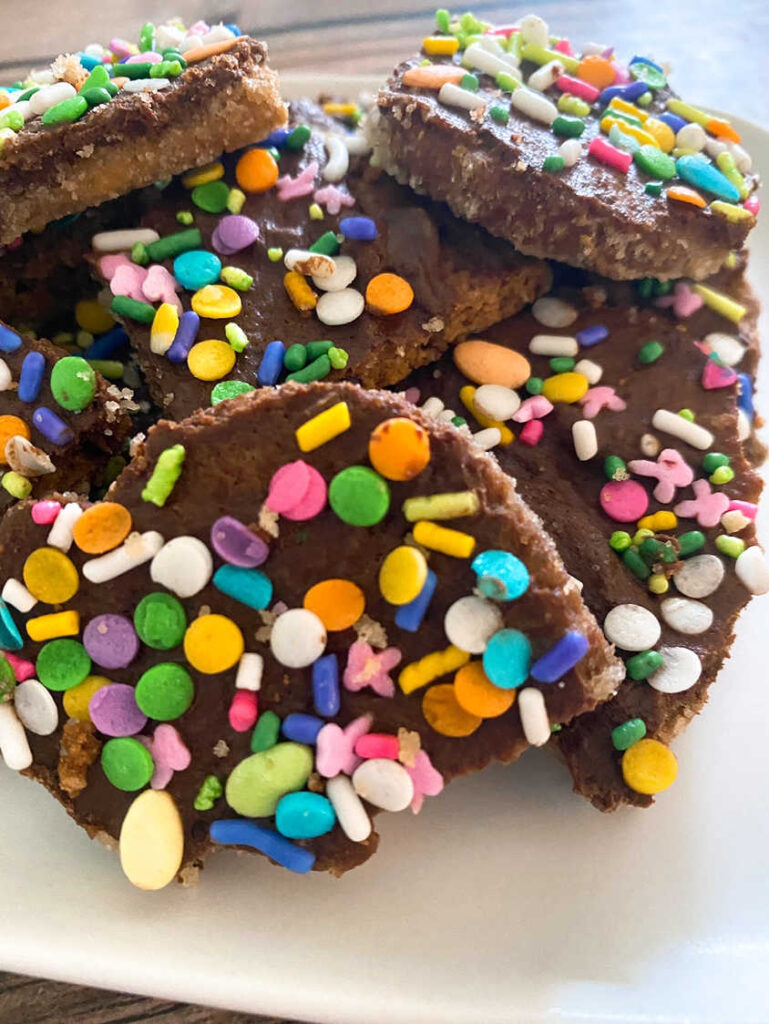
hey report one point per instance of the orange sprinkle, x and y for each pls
(399, 449)
(686, 195)
(387, 294)
(11, 426)
(477, 695)
(433, 76)
(722, 129)
(300, 293)
(445, 714)
(597, 71)
(337, 603)
(6, 102)
(256, 171)
(201, 52)
(102, 527)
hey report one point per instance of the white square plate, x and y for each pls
(507, 899)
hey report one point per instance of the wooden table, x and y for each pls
(719, 51)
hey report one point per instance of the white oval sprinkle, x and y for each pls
(146, 84)
(585, 439)
(691, 136)
(136, 550)
(553, 345)
(545, 76)
(496, 402)
(729, 349)
(553, 312)
(298, 638)
(338, 158)
(455, 96)
(342, 307)
(680, 669)
(487, 439)
(184, 566)
(742, 158)
(675, 425)
(249, 675)
(752, 570)
(744, 426)
(6, 377)
(650, 446)
(385, 784)
(570, 151)
(432, 406)
(632, 627)
(350, 812)
(14, 746)
(35, 707)
(534, 719)
(49, 96)
(686, 616)
(471, 622)
(357, 143)
(700, 576)
(119, 241)
(533, 105)
(344, 273)
(478, 56)
(306, 262)
(17, 595)
(535, 30)
(60, 535)
(591, 371)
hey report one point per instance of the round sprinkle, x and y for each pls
(102, 527)
(625, 501)
(501, 576)
(565, 387)
(477, 695)
(73, 383)
(445, 714)
(216, 301)
(399, 449)
(387, 294)
(552, 312)
(213, 643)
(470, 623)
(342, 307)
(384, 783)
(160, 621)
(111, 641)
(402, 575)
(35, 707)
(496, 402)
(359, 496)
(632, 627)
(337, 603)
(211, 197)
(238, 545)
(686, 616)
(62, 664)
(127, 764)
(298, 638)
(184, 565)
(77, 699)
(649, 767)
(234, 233)
(700, 576)
(256, 171)
(211, 360)
(197, 268)
(227, 389)
(11, 426)
(304, 816)
(50, 576)
(507, 658)
(680, 670)
(114, 711)
(165, 692)
(485, 363)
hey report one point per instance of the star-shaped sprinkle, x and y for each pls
(335, 747)
(707, 506)
(603, 397)
(670, 470)
(367, 667)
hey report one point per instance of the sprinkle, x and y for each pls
(467, 396)
(439, 538)
(720, 303)
(553, 345)
(430, 667)
(585, 440)
(455, 96)
(441, 506)
(608, 154)
(677, 426)
(236, 831)
(534, 718)
(138, 549)
(752, 570)
(167, 471)
(534, 105)
(648, 766)
(440, 45)
(300, 293)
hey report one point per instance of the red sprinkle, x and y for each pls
(577, 87)
(243, 711)
(531, 433)
(377, 744)
(608, 154)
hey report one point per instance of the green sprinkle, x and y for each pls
(265, 734)
(210, 791)
(630, 732)
(553, 163)
(211, 197)
(442, 20)
(655, 163)
(274, 254)
(83, 339)
(147, 37)
(174, 245)
(316, 212)
(174, 55)
(686, 414)
(562, 364)
(226, 389)
(645, 287)
(499, 114)
(714, 460)
(235, 200)
(644, 99)
(534, 385)
(640, 535)
(469, 23)
(237, 278)
(327, 244)
(620, 541)
(317, 348)
(641, 665)
(690, 542)
(95, 97)
(722, 475)
(143, 312)
(167, 471)
(136, 70)
(65, 112)
(653, 188)
(654, 551)
(29, 93)
(506, 82)
(112, 369)
(97, 79)
(469, 82)
(568, 104)
(295, 357)
(16, 485)
(732, 547)
(569, 127)
(139, 254)
(298, 137)
(650, 352)
(338, 358)
(7, 680)
(636, 564)
(316, 370)
(615, 468)
(185, 217)
(13, 119)
(236, 336)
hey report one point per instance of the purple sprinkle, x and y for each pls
(361, 229)
(555, 663)
(114, 711)
(31, 376)
(234, 233)
(236, 544)
(52, 427)
(111, 641)
(185, 336)
(592, 335)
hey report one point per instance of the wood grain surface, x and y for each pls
(718, 52)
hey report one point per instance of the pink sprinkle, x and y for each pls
(746, 507)
(533, 408)
(121, 47)
(707, 506)
(753, 205)
(624, 500)
(108, 265)
(608, 154)
(243, 711)
(333, 199)
(575, 86)
(297, 491)
(378, 744)
(200, 28)
(716, 376)
(23, 670)
(45, 512)
(684, 300)
(621, 73)
(503, 30)
(128, 280)
(148, 57)
(412, 395)
(301, 185)
(427, 780)
(564, 46)
(160, 286)
(596, 399)
(670, 470)
(168, 752)
(532, 433)
(335, 747)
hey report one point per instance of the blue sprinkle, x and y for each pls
(745, 395)
(695, 171)
(88, 61)
(234, 29)
(506, 658)
(249, 586)
(304, 815)
(10, 637)
(672, 121)
(9, 340)
(302, 728)
(592, 335)
(238, 832)
(409, 616)
(649, 63)
(360, 229)
(325, 685)
(107, 344)
(271, 365)
(31, 376)
(276, 139)
(51, 426)
(501, 576)
(184, 339)
(197, 268)
(555, 663)
(625, 92)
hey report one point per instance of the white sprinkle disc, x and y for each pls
(752, 570)
(496, 402)
(183, 565)
(384, 783)
(298, 638)
(632, 627)
(686, 616)
(471, 622)
(679, 671)
(729, 349)
(342, 307)
(35, 707)
(699, 576)
(344, 273)
(552, 312)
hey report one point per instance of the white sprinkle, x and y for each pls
(24, 107)
(553, 345)
(477, 56)
(714, 147)
(60, 535)
(691, 136)
(14, 746)
(350, 812)
(344, 273)
(496, 401)
(545, 76)
(533, 104)
(734, 521)
(342, 307)
(249, 676)
(471, 622)
(17, 595)
(35, 707)
(591, 371)
(190, 42)
(298, 638)
(26, 458)
(571, 152)
(446, 416)
(742, 158)
(432, 407)
(686, 431)
(744, 426)
(680, 670)
(384, 783)
(686, 616)
(455, 96)
(729, 349)
(49, 96)
(535, 30)
(184, 566)
(585, 439)
(650, 446)
(146, 84)
(119, 241)
(218, 34)
(357, 144)
(487, 439)
(493, 44)
(553, 312)
(6, 377)
(306, 262)
(536, 724)
(167, 37)
(752, 570)
(594, 49)
(137, 549)
(338, 158)
(632, 627)
(700, 576)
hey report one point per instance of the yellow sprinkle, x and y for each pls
(466, 395)
(731, 261)
(431, 667)
(152, 840)
(730, 211)
(443, 45)
(721, 303)
(340, 109)
(402, 575)
(323, 427)
(628, 108)
(658, 583)
(629, 129)
(300, 293)
(236, 200)
(316, 212)
(211, 360)
(649, 767)
(659, 522)
(164, 328)
(440, 538)
(216, 301)
(93, 317)
(202, 175)
(50, 576)
(77, 699)
(728, 168)
(48, 627)
(565, 387)
(662, 132)
(688, 112)
(441, 506)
